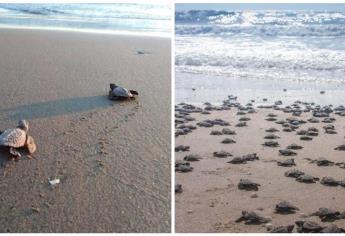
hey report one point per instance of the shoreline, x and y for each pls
(197, 89)
(90, 31)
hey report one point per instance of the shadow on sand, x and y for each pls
(55, 108)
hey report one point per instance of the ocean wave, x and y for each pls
(262, 23)
(124, 17)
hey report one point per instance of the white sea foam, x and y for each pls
(280, 45)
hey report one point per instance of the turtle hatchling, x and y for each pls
(294, 147)
(340, 148)
(286, 163)
(250, 217)
(228, 131)
(307, 179)
(323, 162)
(271, 136)
(308, 226)
(272, 130)
(246, 184)
(293, 173)
(221, 154)
(271, 144)
(178, 188)
(237, 160)
(182, 148)
(285, 207)
(183, 166)
(116, 92)
(192, 157)
(18, 137)
(306, 138)
(329, 181)
(332, 228)
(326, 214)
(228, 140)
(287, 152)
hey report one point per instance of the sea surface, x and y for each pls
(258, 50)
(144, 19)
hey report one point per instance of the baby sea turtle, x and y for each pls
(182, 148)
(18, 137)
(301, 132)
(287, 152)
(271, 115)
(237, 160)
(271, 136)
(183, 166)
(228, 131)
(323, 162)
(246, 184)
(251, 157)
(330, 131)
(271, 119)
(228, 140)
(307, 226)
(293, 173)
(216, 132)
(244, 119)
(288, 129)
(340, 148)
(329, 181)
(307, 179)
(250, 217)
(294, 147)
(271, 144)
(313, 129)
(222, 154)
(306, 138)
(286, 163)
(178, 188)
(117, 92)
(241, 124)
(313, 120)
(283, 229)
(272, 130)
(326, 214)
(192, 157)
(285, 207)
(332, 228)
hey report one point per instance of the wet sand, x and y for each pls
(113, 158)
(211, 200)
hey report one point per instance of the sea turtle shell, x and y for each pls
(248, 185)
(121, 92)
(13, 138)
(250, 217)
(285, 207)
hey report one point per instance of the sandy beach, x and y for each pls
(211, 200)
(112, 158)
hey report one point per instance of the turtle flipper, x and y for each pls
(134, 92)
(15, 153)
(112, 86)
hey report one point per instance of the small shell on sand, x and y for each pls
(54, 182)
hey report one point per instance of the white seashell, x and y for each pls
(54, 181)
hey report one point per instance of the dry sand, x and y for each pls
(113, 158)
(211, 201)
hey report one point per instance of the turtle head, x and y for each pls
(112, 86)
(24, 125)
